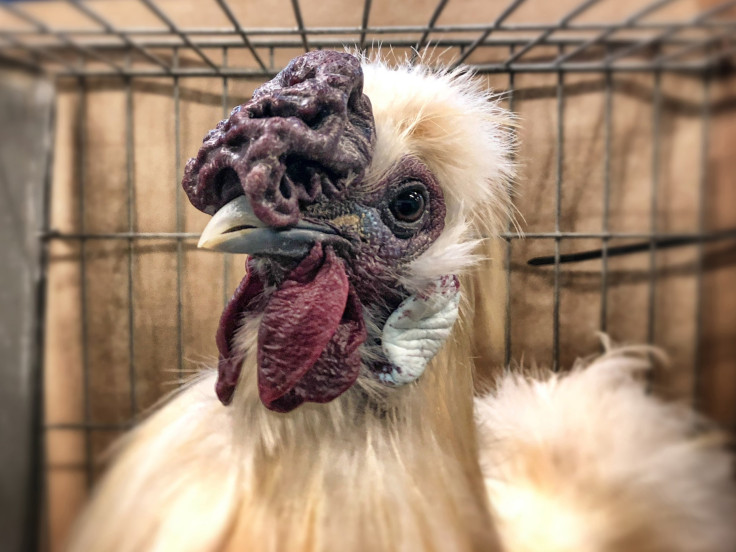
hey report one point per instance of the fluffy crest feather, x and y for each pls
(450, 120)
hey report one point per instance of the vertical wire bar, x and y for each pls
(300, 23)
(81, 145)
(364, 24)
(179, 220)
(495, 25)
(561, 24)
(558, 212)
(608, 107)
(507, 267)
(39, 522)
(173, 28)
(44, 29)
(439, 8)
(669, 31)
(226, 258)
(627, 23)
(129, 168)
(654, 193)
(702, 213)
(231, 16)
(111, 30)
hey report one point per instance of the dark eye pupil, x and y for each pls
(408, 206)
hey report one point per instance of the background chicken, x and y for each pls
(339, 425)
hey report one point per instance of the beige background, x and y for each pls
(122, 386)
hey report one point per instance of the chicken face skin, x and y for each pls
(388, 225)
(289, 179)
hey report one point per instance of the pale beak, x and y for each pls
(236, 229)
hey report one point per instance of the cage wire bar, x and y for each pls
(75, 54)
(95, 44)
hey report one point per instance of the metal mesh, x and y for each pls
(700, 46)
(635, 43)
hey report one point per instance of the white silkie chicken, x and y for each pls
(344, 415)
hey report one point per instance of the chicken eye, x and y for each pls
(408, 205)
(406, 209)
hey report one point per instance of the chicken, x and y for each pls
(343, 413)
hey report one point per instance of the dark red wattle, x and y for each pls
(310, 328)
(336, 369)
(308, 339)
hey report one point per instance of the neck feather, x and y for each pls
(368, 471)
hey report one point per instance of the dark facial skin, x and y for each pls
(299, 151)
(384, 238)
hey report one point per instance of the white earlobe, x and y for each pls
(418, 328)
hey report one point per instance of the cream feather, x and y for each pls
(589, 461)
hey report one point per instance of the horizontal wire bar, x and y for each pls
(67, 466)
(53, 235)
(656, 243)
(177, 31)
(20, 63)
(702, 44)
(627, 24)
(490, 41)
(692, 236)
(511, 8)
(236, 41)
(716, 58)
(676, 28)
(104, 23)
(384, 29)
(237, 38)
(35, 50)
(572, 67)
(724, 234)
(593, 67)
(89, 425)
(243, 35)
(561, 24)
(45, 29)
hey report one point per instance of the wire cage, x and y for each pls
(626, 109)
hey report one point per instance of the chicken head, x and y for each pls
(338, 210)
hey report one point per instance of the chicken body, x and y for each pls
(367, 441)
(384, 465)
